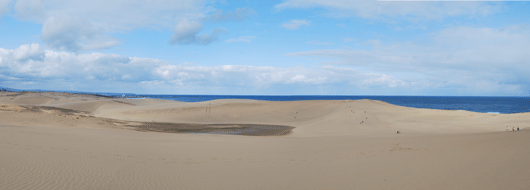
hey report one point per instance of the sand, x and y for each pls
(72, 141)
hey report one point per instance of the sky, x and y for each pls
(285, 47)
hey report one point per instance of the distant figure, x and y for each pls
(518, 128)
(513, 129)
(398, 132)
(507, 128)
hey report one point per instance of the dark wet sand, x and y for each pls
(227, 129)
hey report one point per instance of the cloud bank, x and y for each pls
(30, 67)
(478, 60)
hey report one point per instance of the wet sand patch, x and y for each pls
(224, 129)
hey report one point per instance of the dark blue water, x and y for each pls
(502, 105)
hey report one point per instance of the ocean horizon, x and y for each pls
(483, 104)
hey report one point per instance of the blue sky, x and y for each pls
(289, 47)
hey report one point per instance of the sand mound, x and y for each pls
(4, 107)
(320, 118)
(89, 107)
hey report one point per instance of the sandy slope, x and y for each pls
(329, 148)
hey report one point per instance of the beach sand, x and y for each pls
(74, 141)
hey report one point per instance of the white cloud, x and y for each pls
(187, 32)
(241, 39)
(295, 24)
(381, 79)
(377, 9)
(238, 15)
(83, 25)
(73, 34)
(28, 52)
(114, 15)
(486, 60)
(4, 7)
(75, 25)
(32, 61)
(258, 76)
(66, 70)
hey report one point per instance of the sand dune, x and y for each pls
(72, 141)
(318, 118)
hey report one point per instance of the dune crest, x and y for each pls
(310, 118)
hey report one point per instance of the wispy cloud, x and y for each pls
(410, 9)
(319, 43)
(241, 39)
(295, 24)
(77, 26)
(74, 34)
(4, 7)
(187, 32)
(238, 15)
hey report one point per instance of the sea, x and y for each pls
(484, 104)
